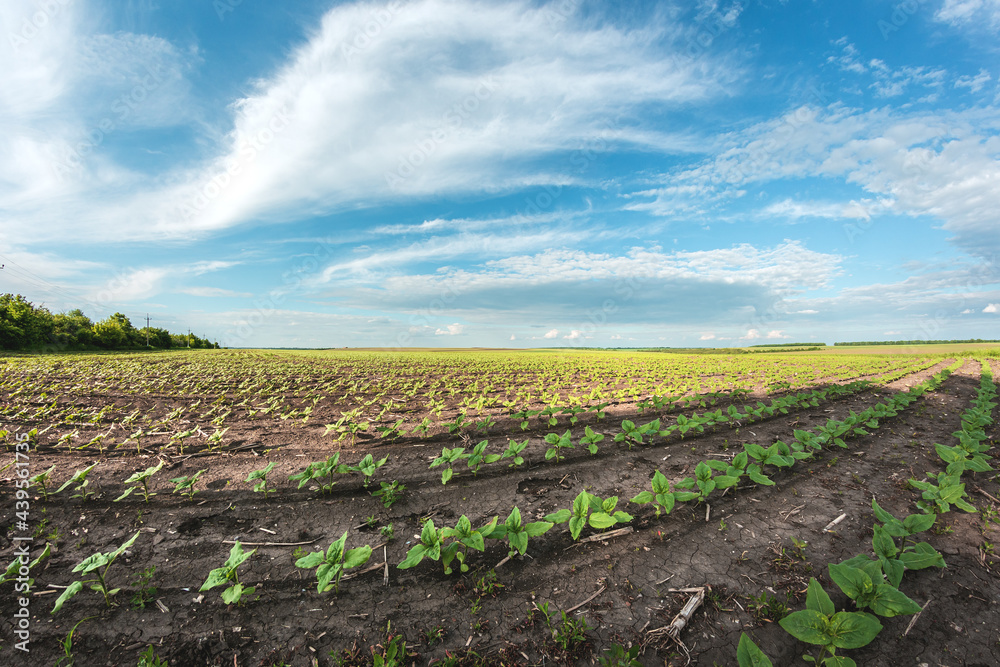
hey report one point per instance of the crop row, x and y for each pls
(453, 544)
(872, 580)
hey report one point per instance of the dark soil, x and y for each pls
(742, 547)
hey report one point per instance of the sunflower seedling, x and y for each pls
(141, 478)
(591, 439)
(604, 514)
(99, 564)
(517, 533)
(479, 457)
(41, 481)
(331, 564)
(661, 497)
(228, 574)
(513, 452)
(367, 467)
(820, 623)
(260, 479)
(558, 443)
(390, 492)
(79, 478)
(449, 456)
(185, 485)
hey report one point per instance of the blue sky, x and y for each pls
(435, 173)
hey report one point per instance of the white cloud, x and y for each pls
(943, 165)
(776, 335)
(992, 308)
(451, 330)
(513, 337)
(707, 336)
(893, 333)
(445, 98)
(752, 334)
(974, 83)
(552, 333)
(985, 13)
(616, 337)
(212, 292)
(852, 210)
(808, 311)
(575, 334)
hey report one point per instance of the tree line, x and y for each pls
(967, 341)
(25, 326)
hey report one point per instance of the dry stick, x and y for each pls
(602, 536)
(673, 631)
(271, 544)
(370, 568)
(833, 523)
(988, 495)
(792, 511)
(385, 560)
(604, 587)
(915, 617)
(708, 511)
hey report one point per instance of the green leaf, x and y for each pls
(413, 556)
(755, 474)
(642, 498)
(601, 520)
(749, 654)
(667, 500)
(357, 556)
(839, 661)
(725, 481)
(562, 516)
(853, 629)
(446, 475)
(893, 569)
(808, 625)
(537, 528)
(889, 601)
(818, 600)
(921, 556)
(234, 593)
(216, 577)
(883, 543)
(70, 591)
(576, 525)
(308, 562)
(852, 581)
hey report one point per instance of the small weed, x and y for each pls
(942, 529)
(767, 608)
(723, 525)
(387, 532)
(148, 658)
(144, 592)
(488, 586)
(434, 635)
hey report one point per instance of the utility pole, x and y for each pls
(147, 329)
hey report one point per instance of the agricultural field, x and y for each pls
(225, 507)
